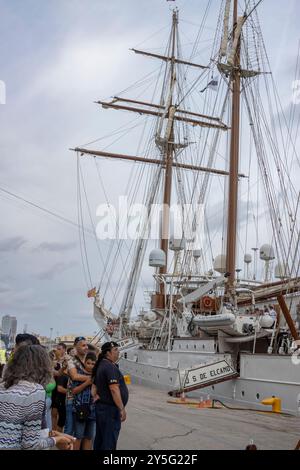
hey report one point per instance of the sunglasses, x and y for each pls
(79, 338)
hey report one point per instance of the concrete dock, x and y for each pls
(152, 424)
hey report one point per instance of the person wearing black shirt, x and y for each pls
(111, 398)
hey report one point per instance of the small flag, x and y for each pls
(213, 85)
(92, 292)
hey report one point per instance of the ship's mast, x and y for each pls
(168, 157)
(234, 160)
(168, 113)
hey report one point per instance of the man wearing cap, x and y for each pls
(112, 394)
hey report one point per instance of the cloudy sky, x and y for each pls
(56, 58)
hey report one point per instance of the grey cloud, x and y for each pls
(4, 288)
(12, 244)
(20, 297)
(37, 306)
(58, 268)
(56, 246)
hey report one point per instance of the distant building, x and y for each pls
(9, 328)
(69, 339)
(44, 340)
(5, 325)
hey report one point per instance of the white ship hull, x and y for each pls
(261, 375)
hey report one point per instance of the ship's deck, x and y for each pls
(152, 424)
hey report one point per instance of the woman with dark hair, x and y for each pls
(22, 401)
(111, 396)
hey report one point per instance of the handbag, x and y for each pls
(82, 411)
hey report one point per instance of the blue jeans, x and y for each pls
(84, 429)
(68, 429)
(108, 426)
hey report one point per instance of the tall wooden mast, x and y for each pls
(169, 154)
(234, 160)
(168, 113)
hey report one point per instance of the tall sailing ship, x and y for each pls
(217, 142)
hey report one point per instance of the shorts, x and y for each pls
(84, 429)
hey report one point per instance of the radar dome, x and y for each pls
(266, 253)
(157, 259)
(266, 321)
(150, 316)
(220, 264)
(197, 253)
(177, 244)
(248, 258)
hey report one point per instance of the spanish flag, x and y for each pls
(92, 292)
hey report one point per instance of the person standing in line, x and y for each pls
(52, 391)
(22, 402)
(25, 339)
(50, 387)
(273, 313)
(22, 339)
(60, 401)
(61, 349)
(84, 407)
(112, 397)
(74, 363)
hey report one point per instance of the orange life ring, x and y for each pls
(208, 302)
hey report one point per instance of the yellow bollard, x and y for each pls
(275, 402)
(127, 379)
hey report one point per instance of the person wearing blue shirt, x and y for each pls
(83, 406)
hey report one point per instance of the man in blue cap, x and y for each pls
(112, 394)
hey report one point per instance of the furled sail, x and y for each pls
(224, 44)
(240, 23)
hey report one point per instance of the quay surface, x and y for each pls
(152, 424)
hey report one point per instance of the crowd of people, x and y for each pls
(72, 398)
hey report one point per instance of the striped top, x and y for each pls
(21, 411)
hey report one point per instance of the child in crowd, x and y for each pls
(84, 419)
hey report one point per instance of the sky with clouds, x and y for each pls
(56, 58)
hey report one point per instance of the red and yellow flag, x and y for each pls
(92, 292)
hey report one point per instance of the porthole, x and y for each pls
(257, 396)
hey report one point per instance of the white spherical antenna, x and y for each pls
(266, 253)
(197, 254)
(157, 259)
(248, 258)
(266, 321)
(150, 316)
(220, 264)
(177, 244)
